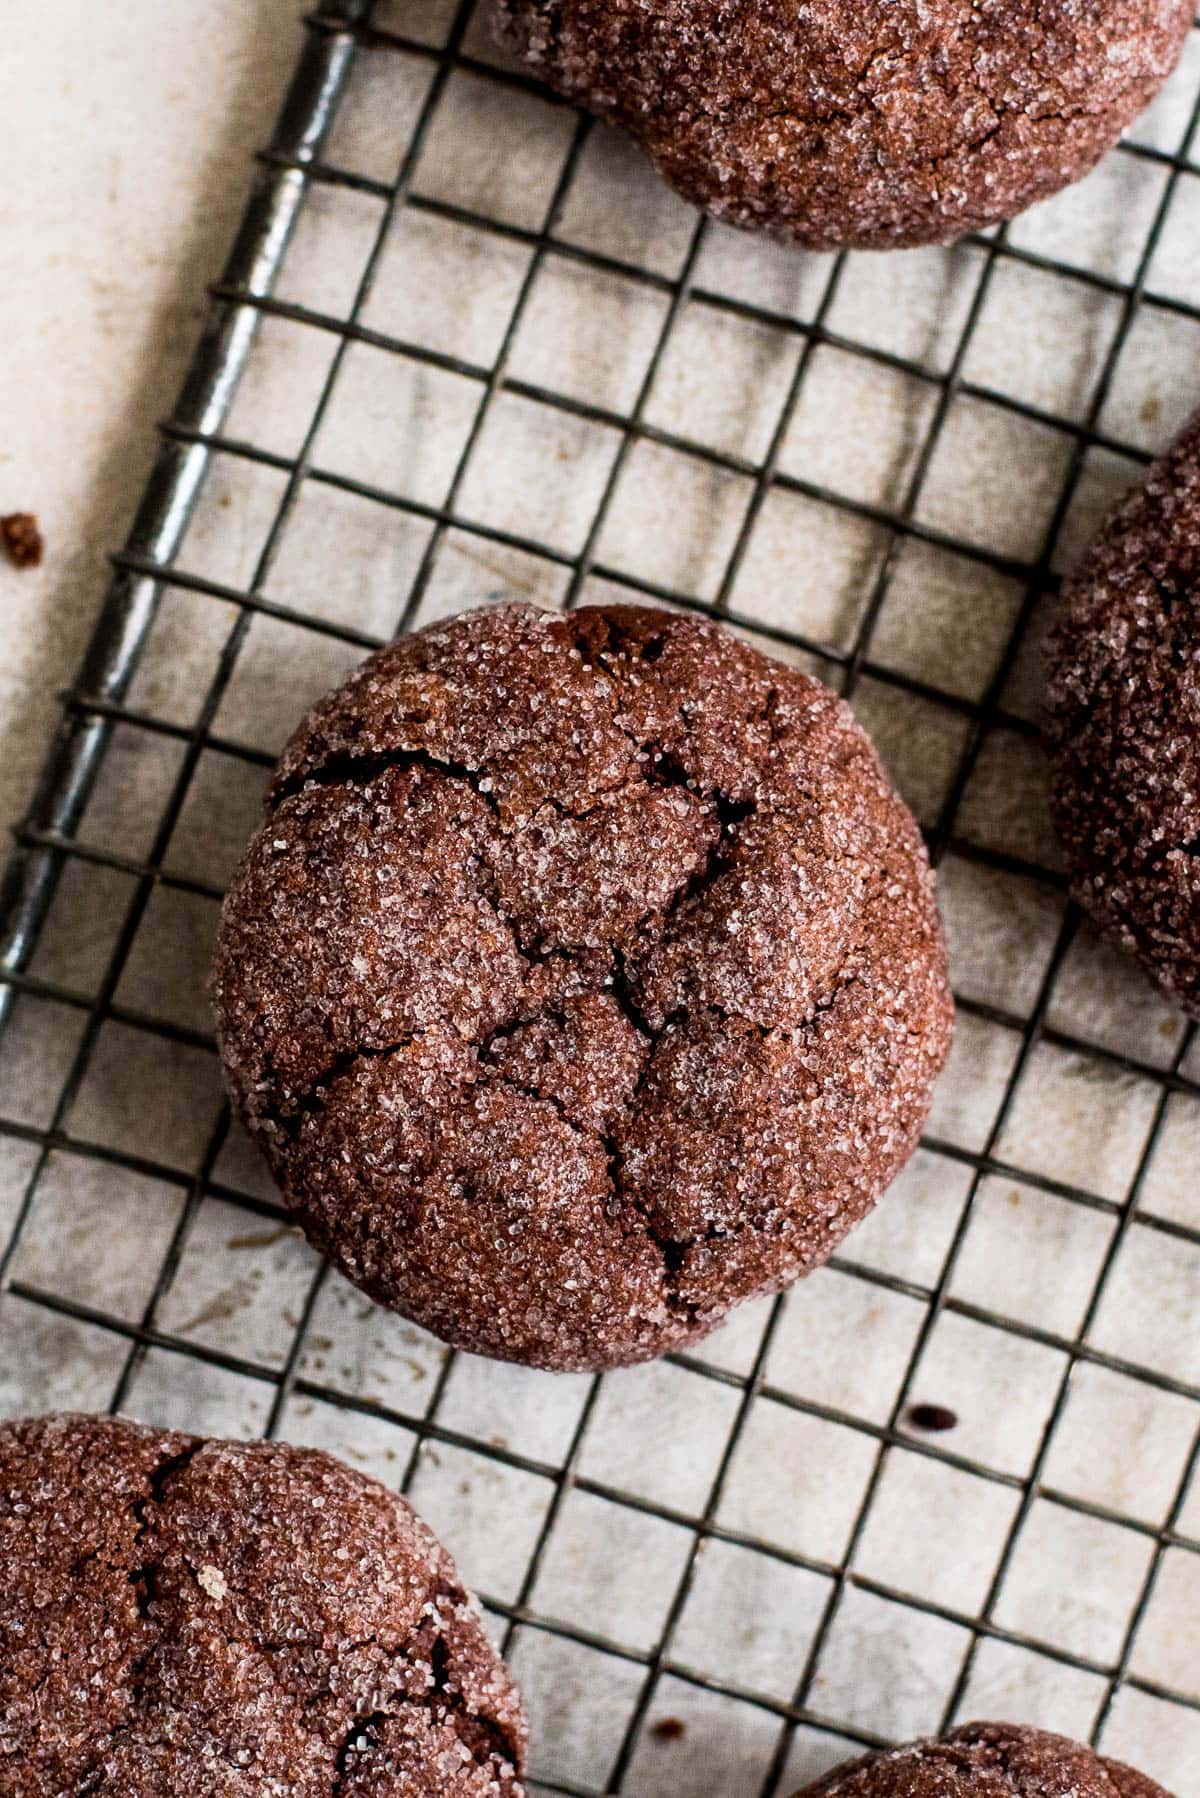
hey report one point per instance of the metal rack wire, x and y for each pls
(443, 45)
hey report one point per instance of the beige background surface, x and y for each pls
(125, 137)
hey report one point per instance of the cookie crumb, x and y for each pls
(935, 1418)
(669, 1729)
(213, 1581)
(22, 539)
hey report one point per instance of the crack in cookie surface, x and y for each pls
(531, 971)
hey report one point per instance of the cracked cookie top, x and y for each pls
(838, 123)
(1124, 724)
(987, 1760)
(584, 979)
(182, 1618)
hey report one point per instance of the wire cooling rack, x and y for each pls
(466, 348)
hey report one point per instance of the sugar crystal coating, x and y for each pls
(182, 1618)
(986, 1760)
(841, 123)
(584, 979)
(1124, 724)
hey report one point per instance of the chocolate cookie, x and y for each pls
(838, 123)
(192, 1619)
(1124, 724)
(987, 1760)
(584, 979)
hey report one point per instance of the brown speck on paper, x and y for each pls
(934, 1418)
(259, 1239)
(668, 1729)
(22, 539)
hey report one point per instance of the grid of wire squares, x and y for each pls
(466, 348)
